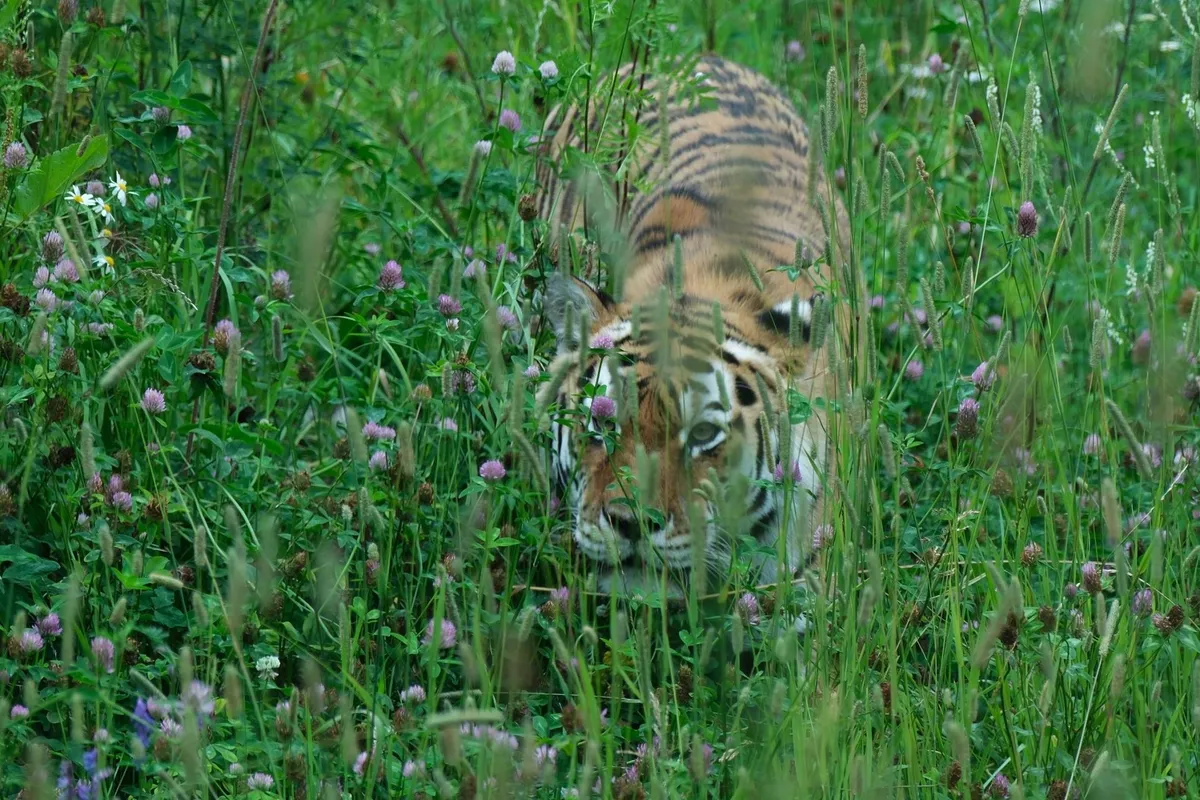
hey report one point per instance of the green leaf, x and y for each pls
(26, 567)
(181, 81)
(55, 174)
(8, 13)
(163, 141)
(799, 407)
(153, 97)
(196, 111)
(131, 137)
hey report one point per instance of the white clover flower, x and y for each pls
(268, 667)
(505, 64)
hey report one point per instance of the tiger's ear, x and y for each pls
(569, 299)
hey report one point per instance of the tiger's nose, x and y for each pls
(624, 524)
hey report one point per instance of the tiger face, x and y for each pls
(662, 446)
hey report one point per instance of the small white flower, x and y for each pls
(267, 666)
(105, 211)
(549, 70)
(82, 198)
(505, 64)
(120, 188)
(104, 262)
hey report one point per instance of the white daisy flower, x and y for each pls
(105, 211)
(120, 188)
(82, 198)
(104, 262)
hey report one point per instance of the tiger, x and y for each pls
(710, 340)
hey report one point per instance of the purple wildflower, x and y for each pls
(1143, 603)
(914, 370)
(603, 407)
(260, 780)
(151, 201)
(379, 461)
(533, 372)
(154, 402)
(32, 641)
(414, 694)
(1027, 220)
(492, 471)
(183, 133)
(448, 306)
(375, 431)
(967, 423)
(796, 474)
(52, 247)
(748, 607)
(1092, 445)
(122, 501)
(510, 120)
(473, 268)
(544, 755)
(602, 341)
(506, 318)
(281, 284)
(224, 333)
(15, 156)
(448, 424)
(999, 787)
(103, 650)
(1025, 461)
(936, 65)
(1091, 577)
(46, 300)
(391, 277)
(18, 712)
(504, 254)
(413, 770)
(548, 70)
(795, 51)
(877, 302)
(50, 625)
(995, 322)
(984, 376)
(449, 634)
(41, 277)
(198, 696)
(154, 180)
(66, 272)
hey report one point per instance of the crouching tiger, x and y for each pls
(673, 440)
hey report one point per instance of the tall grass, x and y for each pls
(274, 511)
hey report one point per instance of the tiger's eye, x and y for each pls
(703, 433)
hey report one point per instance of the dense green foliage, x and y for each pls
(252, 552)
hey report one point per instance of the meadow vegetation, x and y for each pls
(275, 519)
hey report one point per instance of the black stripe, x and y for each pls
(763, 526)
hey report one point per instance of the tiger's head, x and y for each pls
(686, 415)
